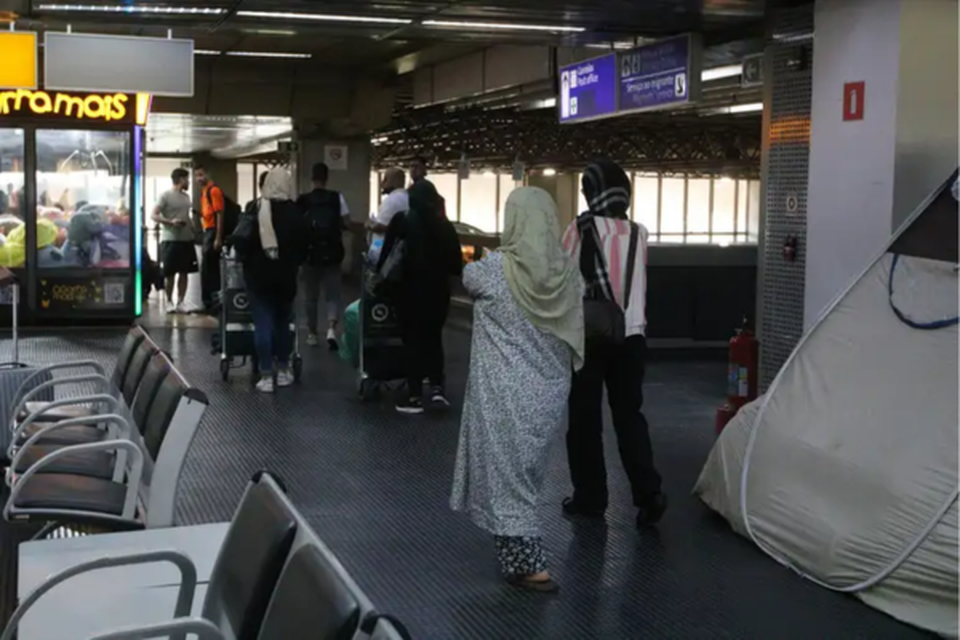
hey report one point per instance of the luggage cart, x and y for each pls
(237, 344)
(381, 345)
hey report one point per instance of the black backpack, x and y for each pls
(231, 211)
(321, 210)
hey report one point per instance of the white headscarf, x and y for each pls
(543, 279)
(278, 185)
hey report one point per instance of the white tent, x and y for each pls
(846, 469)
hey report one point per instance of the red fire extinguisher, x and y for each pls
(741, 374)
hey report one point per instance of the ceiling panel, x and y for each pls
(180, 133)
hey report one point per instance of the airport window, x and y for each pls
(673, 196)
(13, 231)
(478, 201)
(753, 211)
(246, 182)
(646, 188)
(506, 187)
(448, 184)
(698, 210)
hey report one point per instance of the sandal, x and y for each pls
(540, 586)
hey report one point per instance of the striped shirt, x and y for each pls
(615, 244)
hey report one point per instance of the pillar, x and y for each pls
(349, 162)
(873, 164)
(840, 175)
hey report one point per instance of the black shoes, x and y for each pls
(573, 508)
(652, 511)
(438, 398)
(648, 515)
(410, 406)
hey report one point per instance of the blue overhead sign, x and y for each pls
(588, 89)
(661, 74)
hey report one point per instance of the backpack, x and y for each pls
(231, 211)
(321, 210)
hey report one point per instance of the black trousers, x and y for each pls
(621, 368)
(422, 325)
(209, 269)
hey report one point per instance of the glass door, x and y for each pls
(83, 223)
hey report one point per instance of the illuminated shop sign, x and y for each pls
(119, 108)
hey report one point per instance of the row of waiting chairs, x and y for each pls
(112, 458)
(273, 579)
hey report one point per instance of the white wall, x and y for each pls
(927, 102)
(851, 163)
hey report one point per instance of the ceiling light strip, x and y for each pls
(504, 26)
(321, 17)
(133, 8)
(253, 54)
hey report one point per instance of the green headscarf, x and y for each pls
(542, 277)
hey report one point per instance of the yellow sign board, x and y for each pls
(18, 53)
(119, 108)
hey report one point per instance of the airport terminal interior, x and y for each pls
(799, 278)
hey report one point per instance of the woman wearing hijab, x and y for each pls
(527, 341)
(274, 252)
(612, 254)
(431, 259)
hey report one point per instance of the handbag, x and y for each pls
(604, 319)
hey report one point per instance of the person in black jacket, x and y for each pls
(271, 260)
(431, 260)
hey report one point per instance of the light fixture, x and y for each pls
(718, 73)
(268, 54)
(131, 8)
(253, 54)
(269, 32)
(549, 172)
(321, 17)
(751, 107)
(505, 26)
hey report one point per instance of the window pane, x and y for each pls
(13, 231)
(724, 239)
(671, 206)
(698, 205)
(724, 192)
(246, 182)
(478, 201)
(742, 200)
(645, 201)
(446, 184)
(507, 185)
(581, 201)
(374, 192)
(698, 238)
(83, 208)
(753, 222)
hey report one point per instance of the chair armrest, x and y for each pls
(103, 387)
(202, 628)
(188, 581)
(133, 479)
(110, 418)
(71, 364)
(112, 404)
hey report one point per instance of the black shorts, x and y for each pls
(178, 256)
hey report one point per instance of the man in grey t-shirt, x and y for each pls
(178, 254)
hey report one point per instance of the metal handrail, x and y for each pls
(71, 364)
(56, 382)
(202, 628)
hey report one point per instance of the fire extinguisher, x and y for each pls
(742, 372)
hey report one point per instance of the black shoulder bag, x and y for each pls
(604, 319)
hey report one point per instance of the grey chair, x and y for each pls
(101, 464)
(143, 496)
(105, 400)
(244, 576)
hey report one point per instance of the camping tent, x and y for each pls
(846, 469)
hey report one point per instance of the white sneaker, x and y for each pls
(332, 339)
(284, 378)
(313, 340)
(265, 385)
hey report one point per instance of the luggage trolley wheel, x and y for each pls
(225, 368)
(367, 389)
(297, 365)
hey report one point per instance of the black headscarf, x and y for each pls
(606, 188)
(433, 247)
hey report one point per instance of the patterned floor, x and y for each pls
(375, 485)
